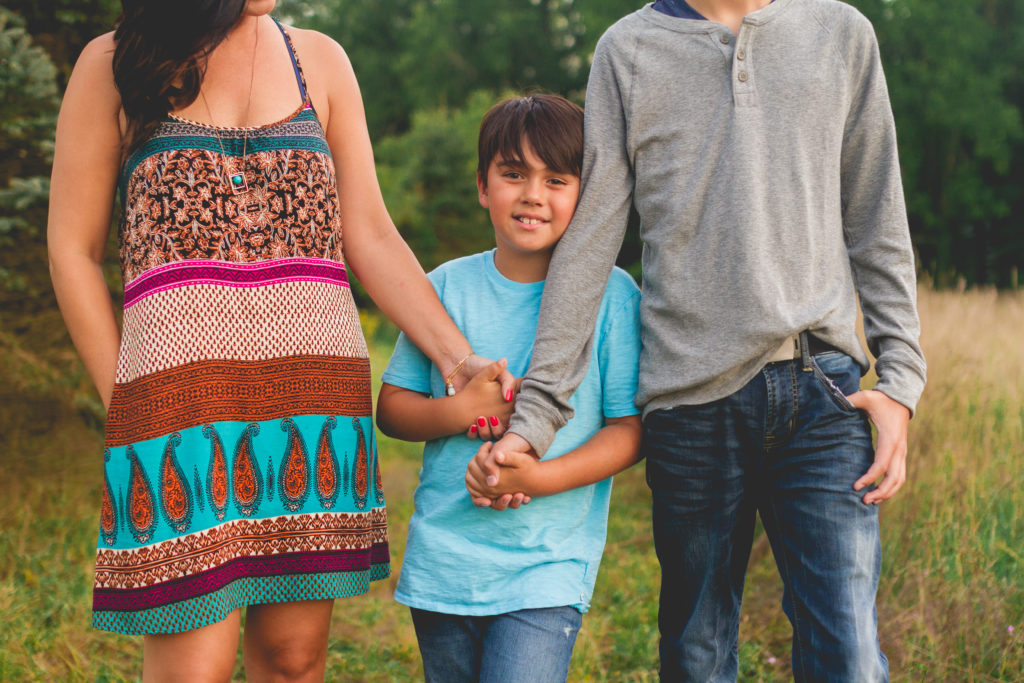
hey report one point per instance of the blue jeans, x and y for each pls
(531, 645)
(789, 446)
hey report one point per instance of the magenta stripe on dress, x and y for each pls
(261, 273)
(210, 581)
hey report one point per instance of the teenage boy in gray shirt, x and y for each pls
(756, 142)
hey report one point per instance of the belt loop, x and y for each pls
(805, 352)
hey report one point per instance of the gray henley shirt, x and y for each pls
(763, 168)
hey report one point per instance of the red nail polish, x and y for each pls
(472, 428)
(508, 395)
(481, 421)
(494, 421)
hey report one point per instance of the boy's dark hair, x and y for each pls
(552, 124)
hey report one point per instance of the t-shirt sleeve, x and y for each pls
(619, 354)
(409, 368)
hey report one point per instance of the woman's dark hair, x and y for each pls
(160, 56)
(550, 123)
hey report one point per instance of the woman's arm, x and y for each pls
(374, 249)
(610, 450)
(85, 166)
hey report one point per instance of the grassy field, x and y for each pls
(951, 605)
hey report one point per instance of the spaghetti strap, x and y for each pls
(300, 78)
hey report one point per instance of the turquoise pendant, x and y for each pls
(238, 184)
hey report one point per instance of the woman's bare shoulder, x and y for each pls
(317, 49)
(93, 75)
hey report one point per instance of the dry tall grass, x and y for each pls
(952, 600)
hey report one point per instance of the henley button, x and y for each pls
(741, 54)
(742, 76)
(725, 38)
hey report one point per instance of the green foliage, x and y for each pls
(415, 55)
(28, 99)
(63, 27)
(954, 79)
(428, 177)
(28, 113)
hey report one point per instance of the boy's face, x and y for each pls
(530, 204)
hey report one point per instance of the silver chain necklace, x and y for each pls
(235, 180)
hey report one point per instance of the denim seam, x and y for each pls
(787, 579)
(795, 390)
(768, 435)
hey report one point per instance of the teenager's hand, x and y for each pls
(891, 419)
(519, 467)
(510, 442)
(474, 365)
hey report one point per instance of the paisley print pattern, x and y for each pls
(294, 476)
(360, 473)
(216, 474)
(175, 496)
(245, 473)
(141, 510)
(108, 510)
(327, 470)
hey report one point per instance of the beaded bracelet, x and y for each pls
(448, 381)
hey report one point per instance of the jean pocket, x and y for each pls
(837, 395)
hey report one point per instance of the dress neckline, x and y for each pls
(181, 119)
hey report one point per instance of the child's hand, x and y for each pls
(484, 395)
(518, 477)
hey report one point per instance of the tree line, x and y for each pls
(429, 69)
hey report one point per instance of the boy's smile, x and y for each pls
(530, 207)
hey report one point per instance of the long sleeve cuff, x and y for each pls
(902, 383)
(535, 421)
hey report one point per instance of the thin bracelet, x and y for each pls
(449, 386)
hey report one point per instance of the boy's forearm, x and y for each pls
(411, 416)
(612, 449)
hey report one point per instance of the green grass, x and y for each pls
(952, 583)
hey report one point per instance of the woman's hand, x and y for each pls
(487, 399)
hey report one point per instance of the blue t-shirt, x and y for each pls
(461, 559)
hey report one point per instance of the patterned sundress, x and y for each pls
(240, 461)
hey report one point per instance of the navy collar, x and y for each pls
(678, 8)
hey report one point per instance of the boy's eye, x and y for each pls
(514, 175)
(558, 181)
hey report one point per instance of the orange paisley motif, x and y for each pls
(245, 473)
(217, 473)
(294, 475)
(108, 513)
(360, 477)
(326, 466)
(141, 511)
(175, 495)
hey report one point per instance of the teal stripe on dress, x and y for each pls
(138, 473)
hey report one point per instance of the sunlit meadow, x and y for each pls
(951, 604)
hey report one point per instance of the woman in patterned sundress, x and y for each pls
(240, 467)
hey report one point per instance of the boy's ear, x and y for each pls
(482, 191)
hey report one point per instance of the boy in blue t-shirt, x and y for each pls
(500, 596)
